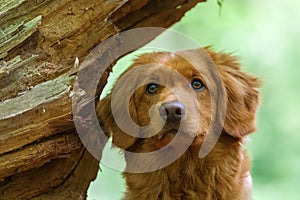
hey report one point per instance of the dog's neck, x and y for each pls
(217, 176)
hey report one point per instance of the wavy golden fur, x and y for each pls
(224, 174)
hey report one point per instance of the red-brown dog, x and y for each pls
(223, 174)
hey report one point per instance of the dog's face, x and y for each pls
(175, 100)
(174, 96)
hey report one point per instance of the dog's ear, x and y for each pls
(242, 95)
(109, 125)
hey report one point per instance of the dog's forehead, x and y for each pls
(174, 61)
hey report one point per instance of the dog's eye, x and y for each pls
(152, 88)
(197, 84)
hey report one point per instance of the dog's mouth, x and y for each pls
(184, 137)
(167, 138)
(169, 133)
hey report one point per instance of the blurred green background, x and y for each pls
(266, 36)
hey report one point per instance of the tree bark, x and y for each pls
(41, 155)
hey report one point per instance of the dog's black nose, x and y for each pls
(172, 111)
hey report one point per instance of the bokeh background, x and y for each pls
(266, 36)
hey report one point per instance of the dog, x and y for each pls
(176, 98)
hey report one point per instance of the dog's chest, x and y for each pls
(185, 179)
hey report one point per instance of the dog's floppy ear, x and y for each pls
(242, 95)
(109, 125)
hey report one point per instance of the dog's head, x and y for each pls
(168, 94)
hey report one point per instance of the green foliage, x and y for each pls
(220, 4)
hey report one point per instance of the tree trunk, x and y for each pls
(41, 155)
